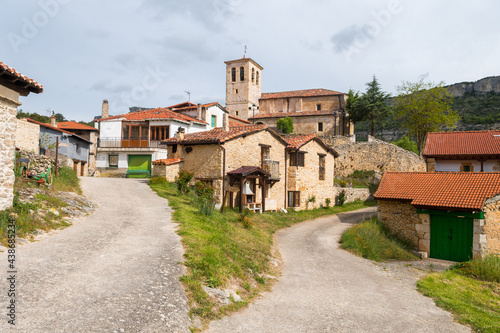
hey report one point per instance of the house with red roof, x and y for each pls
(314, 111)
(445, 215)
(87, 132)
(129, 143)
(254, 167)
(468, 151)
(13, 85)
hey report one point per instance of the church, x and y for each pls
(313, 111)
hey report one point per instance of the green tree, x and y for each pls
(372, 106)
(407, 144)
(424, 107)
(285, 124)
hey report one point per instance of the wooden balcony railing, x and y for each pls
(127, 143)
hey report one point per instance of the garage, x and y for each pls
(139, 165)
(451, 237)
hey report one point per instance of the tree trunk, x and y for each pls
(373, 127)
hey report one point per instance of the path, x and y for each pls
(326, 289)
(116, 270)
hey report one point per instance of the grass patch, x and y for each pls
(66, 181)
(475, 303)
(359, 179)
(485, 269)
(221, 251)
(373, 241)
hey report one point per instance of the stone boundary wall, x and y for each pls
(170, 172)
(27, 136)
(375, 155)
(353, 194)
(490, 227)
(8, 124)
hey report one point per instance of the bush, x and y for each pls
(204, 198)
(157, 181)
(485, 269)
(407, 144)
(285, 124)
(244, 219)
(183, 180)
(341, 197)
(328, 202)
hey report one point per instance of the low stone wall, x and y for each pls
(402, 219)
(38, 163)
(27, 136)
(375, 155)
(353, 194)
(168, 171)
(490, 226)
(8, 123)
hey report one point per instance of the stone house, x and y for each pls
(253, 167)
(27, 136)
(87, 132)
(12, 85)
(463, 151)
(445, 215)
(314, 111)
(132, 141)
(73, 150)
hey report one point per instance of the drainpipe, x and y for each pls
(223, 170)
(286, 175)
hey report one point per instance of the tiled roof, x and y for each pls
(296, 141)
(55, 129)
(462, 143)
(246, 170)
(73, 125)
(300, 93)
(168, 161)
(155, 114)
(441, 190)
(236, 119)
(19, 79)
(217, 135)
(295, 114)
(191, 106)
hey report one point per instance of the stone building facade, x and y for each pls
(12, 86)
(27, 136)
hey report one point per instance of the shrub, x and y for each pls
(312, 199)
(285, 124)
(485, 269)
(204, 198)
(407, 144)
(244, 219)
(328, 202)
(183, 180)
(157, 181)
(341, 197)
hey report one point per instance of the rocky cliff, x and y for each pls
(488, 84)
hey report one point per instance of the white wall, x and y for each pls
(111, 129)
(216, 111)
(454, 165)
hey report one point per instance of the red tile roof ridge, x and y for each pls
(75, 125)
(239, 119)
(168, 161)
(300, 93)
(36, 87)
(295, 114)
(56, 129)
(163, 113)
(455, 132)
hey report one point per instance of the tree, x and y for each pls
(372, 106)
(285, 124)
(424, 107)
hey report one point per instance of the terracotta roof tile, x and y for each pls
(168, 161)
(443, 190)
(217, 135)
(55, 129)
(462, 143)
(295, 114)
(296, 141)
(300, 93)
(33, 86)
(181, 107)
(236, 119)
(155, 114)
(246, 170)
(73, 125)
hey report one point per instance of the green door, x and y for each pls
(139, 162)
(451, 237)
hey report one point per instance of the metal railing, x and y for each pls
(273, 167)
(127, 143)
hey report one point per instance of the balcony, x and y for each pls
(273, 167)
(128, 143)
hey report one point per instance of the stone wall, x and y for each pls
(375, 155)
(8, 124)
(491, 225)
(306, 179)
(27, 136)
(402, 219)
(353, 194)
(38, 163)
(168, 171)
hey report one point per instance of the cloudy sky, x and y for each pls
(149, 52)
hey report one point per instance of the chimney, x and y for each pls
(180, 134)
(105, 109)
(198, 116)
(53, 121)
(225, 122)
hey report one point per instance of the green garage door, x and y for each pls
(139, 162)
(451, 237)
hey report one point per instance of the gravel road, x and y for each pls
(326, 289)
(116, 270)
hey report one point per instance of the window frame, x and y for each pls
(117, 160)
(233, 74)
(464, 165)
(242, 73)
(318, 107)
(213, 121)
(321, 166)
(293, 199)
(297, 159)
(320, 126)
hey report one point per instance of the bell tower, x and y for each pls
(243, 86)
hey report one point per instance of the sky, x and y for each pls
(150, 52)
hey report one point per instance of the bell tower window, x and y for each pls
(257, 78)
(233, 74)
(253, 74)
(242, 74)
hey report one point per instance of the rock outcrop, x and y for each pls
(483, 86)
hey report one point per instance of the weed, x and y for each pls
(341, 197)
(182, 180)
(485, 269)
(66, 181)
(328, 202)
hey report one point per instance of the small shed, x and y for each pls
(445, 215)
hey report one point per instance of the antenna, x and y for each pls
(245, 53)
(189, 96)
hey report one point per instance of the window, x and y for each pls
(467, 167)
(236, 90)
(318, 107)
(237, 112)
(322, 163)
(242, 74)
(214, 121)
(233, 74)
(293, 198)
(320, 127)
(174, 149)
(253, 74)
(297, 158)
(257, 78)
(160, 132)
(265, 152)
(113, 161)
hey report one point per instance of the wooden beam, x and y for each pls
(242, 182)
(263, 180)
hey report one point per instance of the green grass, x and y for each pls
(66, 181)
(372, 241)
(475, 303)
(220, 251)
(485, 269)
